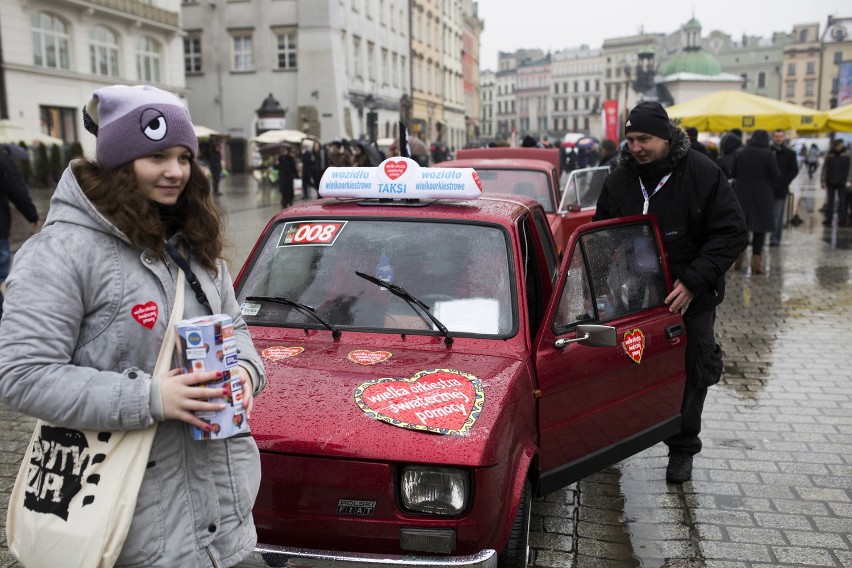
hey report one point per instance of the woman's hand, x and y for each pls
(183, 397)
(248, 389)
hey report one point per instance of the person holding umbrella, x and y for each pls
(286, 165)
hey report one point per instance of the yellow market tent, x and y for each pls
(724, 110)
(840, 119)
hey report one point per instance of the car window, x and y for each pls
(528, 183)
(613, 272)
(583, 188)
(462, 272)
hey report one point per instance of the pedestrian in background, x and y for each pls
(308, 159)
(692, 133)
(813, 160)
(77, 354)
(320, 163)
(214, 159)
(704, 232)
(788, 167)
(835, 171)
(13, 190)
(609, 154)
(287, 171)
(756, 174)
(730, 144)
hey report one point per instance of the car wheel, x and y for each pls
(517, 551)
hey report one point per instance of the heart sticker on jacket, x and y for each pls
(395, 169)
(367, 357)
(634, 344)
(441, 401)
(146, 313)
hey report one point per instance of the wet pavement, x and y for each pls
(773, 484)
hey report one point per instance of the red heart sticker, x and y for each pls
(146, 313)
(395, 169)
(477, 180)
(279, 353)
(634, 344)
(366, 357)
(442, 401)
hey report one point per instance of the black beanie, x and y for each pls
(650, 118)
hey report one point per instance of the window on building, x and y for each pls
(803, 36)
(761, 80)
(242, 51)
(50, 41)
(356, 56)
(791, 69)
(385, 68)
(395, 69)
(791, 90)
(809, 88)
(192, 52)
(745, 80)
(838, 57)
(60, 122)
(810, 69)
(148, 55)
(371, 61)
(286, 49)
(382, 12)
(103, 51)
(403, 83)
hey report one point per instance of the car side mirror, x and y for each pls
(591, 335)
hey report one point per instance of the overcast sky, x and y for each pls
(559, 24)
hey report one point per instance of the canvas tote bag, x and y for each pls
(76, 490)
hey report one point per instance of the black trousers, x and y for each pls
(703, 368)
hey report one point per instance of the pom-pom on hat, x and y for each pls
(650, 118)
(131, 122)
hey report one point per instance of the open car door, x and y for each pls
(619, 391)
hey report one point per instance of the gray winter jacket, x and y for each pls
(74, 354)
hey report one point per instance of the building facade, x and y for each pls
(330, 64)
(533, 94)
(471, 31)
(56, 52)
(576, 91)
(487, 107)
(758, 60)
(801, 66)
(836, 49)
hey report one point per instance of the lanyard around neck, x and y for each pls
(647, 197)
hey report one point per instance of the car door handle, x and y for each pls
(673, 331)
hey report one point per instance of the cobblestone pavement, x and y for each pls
(773, 485)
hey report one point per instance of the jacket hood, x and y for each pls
(729, 143)
(70, 205)
(679, 148)
(759, 139)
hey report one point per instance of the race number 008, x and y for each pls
(315, 233)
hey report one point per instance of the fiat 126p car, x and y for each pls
(433, 366)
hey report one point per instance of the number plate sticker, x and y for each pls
(311, 233)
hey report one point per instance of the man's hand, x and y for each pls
(679, 299)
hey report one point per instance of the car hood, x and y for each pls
(323, 398)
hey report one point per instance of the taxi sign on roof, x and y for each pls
(401, 178)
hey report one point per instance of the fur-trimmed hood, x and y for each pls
(679, 148)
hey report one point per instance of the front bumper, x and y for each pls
(281, 556)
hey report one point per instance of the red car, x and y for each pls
(432, 366)
(535, 172)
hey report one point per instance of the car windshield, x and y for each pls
(518, 182)
(461, 272)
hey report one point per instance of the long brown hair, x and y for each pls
(116, 195)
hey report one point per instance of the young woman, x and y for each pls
(89, 298)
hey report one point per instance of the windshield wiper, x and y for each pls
(305, 309)
(411, 300)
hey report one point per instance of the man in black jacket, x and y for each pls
(788, 165)
(835, 171)
(703, 230)
(12, 188)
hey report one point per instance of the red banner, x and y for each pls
(610, 118)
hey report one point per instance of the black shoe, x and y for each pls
(774, 244)
(679, 469)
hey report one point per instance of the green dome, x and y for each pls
(692, 24)
(698, 62)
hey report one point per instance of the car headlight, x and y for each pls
(435, 490)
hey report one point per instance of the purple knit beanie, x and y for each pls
(131, 122)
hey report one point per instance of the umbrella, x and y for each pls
(273, 149)
(586, 142)
(418, 147)
(280, 136)
(16, 151)
(372, 152)
(203, 132)
(724, 110)
(12, 133)
(840, 119)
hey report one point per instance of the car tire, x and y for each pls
(517, 551)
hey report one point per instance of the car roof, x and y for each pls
(498, 164)
(493, 208)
